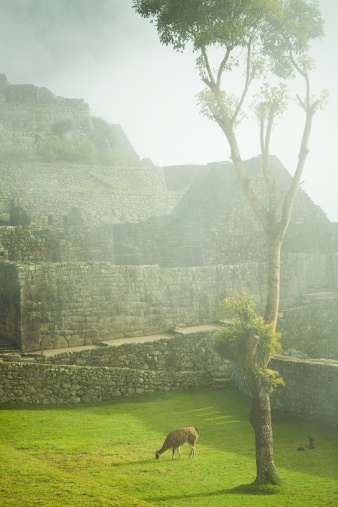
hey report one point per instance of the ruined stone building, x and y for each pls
(96, 243)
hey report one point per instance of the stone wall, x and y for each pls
(25, 107)
(72, 304)
(68, 304)
(311, 329)
(311, 390)
(180, 178)
(214, 224)
(82, 177)
(43, 384)
(71, 243)
(55, 196)
(104, 373)
(28, 115)
(191, 352)
(10, 321)
(41, 117)
(310, 394)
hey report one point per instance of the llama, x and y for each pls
(177, 438)
(306, 447)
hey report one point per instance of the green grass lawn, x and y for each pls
(104, 454)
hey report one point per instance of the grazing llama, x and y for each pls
(177, 438)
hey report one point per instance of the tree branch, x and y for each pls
(269, 181)
(310, 110)
(212, 83)
(261, 134)
(222, 66)
(246, 84)
(259, 210)
(305, 76)
(292, 192)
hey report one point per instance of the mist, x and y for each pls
(103, 52)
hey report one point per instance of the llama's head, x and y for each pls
(157, 455)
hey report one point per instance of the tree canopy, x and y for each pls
(282, 28)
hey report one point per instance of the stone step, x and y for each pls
(9, 350)
(222, 382)
(11, 357)
(7, 347)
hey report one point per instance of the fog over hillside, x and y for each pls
(102, 51)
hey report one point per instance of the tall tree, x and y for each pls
(268, 38)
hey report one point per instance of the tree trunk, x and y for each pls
(272, 305)
(260, 418)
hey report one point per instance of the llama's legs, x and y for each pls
(192, 450)
(179, 452)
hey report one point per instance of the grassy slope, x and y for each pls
(103, 454)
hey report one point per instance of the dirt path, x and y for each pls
(135, 339)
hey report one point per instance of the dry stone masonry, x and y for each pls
(69, 304)
(108, 372)
(183, 362)
(115, 247)
(310, 392)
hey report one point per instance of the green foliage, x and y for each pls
(248, 340)
(280, 25)
(205, 23)
(275, 34)
(101, 125)
(57, 149)
(210, 108)
(61, 127)
(85, 152)
(271, 100)
(289, 34)
(275, 379)
(64, 150)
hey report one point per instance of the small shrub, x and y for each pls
(101, 125)
(62, 127)
(48, 152)
(64, 150)
(58, 149)
(85, 152)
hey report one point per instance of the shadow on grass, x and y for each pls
(252, 489)
(130, 462)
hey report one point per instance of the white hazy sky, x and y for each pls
(113, 59)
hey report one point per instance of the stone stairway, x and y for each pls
(8, 348)
(220, 382)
